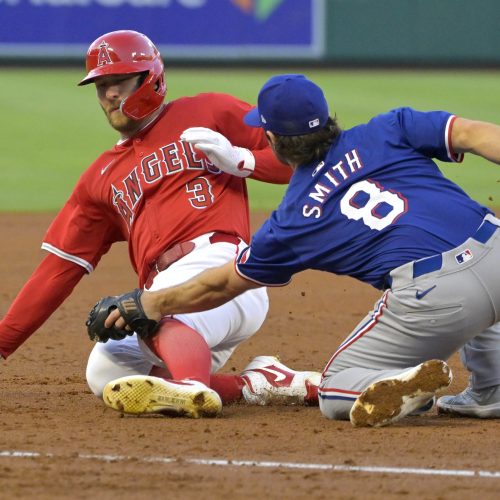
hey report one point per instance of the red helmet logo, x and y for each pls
(129, 52)
(103, 57)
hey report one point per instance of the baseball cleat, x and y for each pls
(424, 408)
(267, 381)
(469, 403)
(143, 394)
(389, 400)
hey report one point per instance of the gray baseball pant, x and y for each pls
(456, 305)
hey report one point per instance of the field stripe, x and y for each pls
(265, 464)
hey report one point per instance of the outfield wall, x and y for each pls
(414, 32)
(344, 32)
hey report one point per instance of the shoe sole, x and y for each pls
(476, 411)
(140, 395)
(388, 401)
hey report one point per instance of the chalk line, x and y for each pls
(370, 469)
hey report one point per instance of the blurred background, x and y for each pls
(347, 32)
(368, 55)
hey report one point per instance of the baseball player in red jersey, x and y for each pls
(180, 212)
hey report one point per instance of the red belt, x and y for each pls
(175, 253)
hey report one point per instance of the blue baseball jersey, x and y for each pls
(375, 202)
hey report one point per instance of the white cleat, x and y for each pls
(389, 400)
(267, 381)
(143, 394)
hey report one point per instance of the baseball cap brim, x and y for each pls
(252, 118)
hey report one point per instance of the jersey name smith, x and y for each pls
(331, 179)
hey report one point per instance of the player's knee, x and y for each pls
(113, 360)
(96, 379)
(330, 407)
(95, 383)
(334, 410)
(100, 370)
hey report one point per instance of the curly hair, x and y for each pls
(303, 149)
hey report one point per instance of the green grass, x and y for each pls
(52, 129)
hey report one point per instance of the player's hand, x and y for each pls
(230, 159)
(132, 318)
(149, 306)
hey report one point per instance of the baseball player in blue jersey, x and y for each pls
(370, 202)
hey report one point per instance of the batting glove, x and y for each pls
(230, 159)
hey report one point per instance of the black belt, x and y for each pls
(435, 262)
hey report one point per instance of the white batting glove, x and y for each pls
(230, 159)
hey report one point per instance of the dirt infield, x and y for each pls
(58, 441)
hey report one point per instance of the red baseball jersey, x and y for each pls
(155, 190)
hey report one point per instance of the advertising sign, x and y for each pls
(183, 29)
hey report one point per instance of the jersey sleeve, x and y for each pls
(230, 112)
(269, 169)
(428, 133)
(50, 284)
(268, 261)
(83, 230)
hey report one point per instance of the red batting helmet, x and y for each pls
(128, 52)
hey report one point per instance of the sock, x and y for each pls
(311, 398)
(228, 387)
(159, 371)
(183, 350)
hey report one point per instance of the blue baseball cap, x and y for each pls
(289, 105)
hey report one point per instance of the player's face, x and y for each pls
(111, 90)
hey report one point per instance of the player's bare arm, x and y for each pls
(480, 138)
(209, 289)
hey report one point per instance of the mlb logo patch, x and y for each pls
(464, 256)
(318, 168)
(314, 123)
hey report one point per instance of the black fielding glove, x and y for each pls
(130, 307)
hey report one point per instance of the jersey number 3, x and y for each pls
(201, 193)
(369, 202)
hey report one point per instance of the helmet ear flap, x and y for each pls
(147, 98)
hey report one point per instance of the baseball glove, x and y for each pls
(129, 305)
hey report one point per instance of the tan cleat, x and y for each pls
(143, 394)
(389, 400)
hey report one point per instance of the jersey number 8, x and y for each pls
(369, 202)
